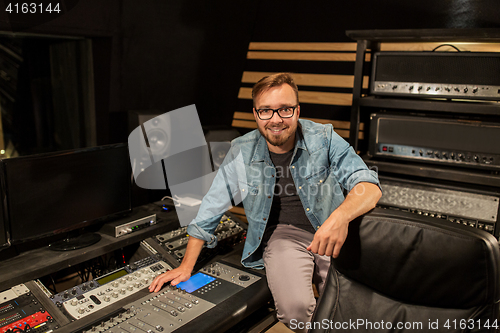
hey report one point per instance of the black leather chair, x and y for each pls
(401, 272)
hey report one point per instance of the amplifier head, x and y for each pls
(470, 75)
(435, 140)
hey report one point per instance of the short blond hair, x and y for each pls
(271, 81)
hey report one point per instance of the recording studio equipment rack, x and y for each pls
(26, 309)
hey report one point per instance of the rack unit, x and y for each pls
(371, 41)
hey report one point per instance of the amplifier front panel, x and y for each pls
(453, 142)
(436, 74)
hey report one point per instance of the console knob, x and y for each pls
(122, 291)
(123, 280)
(129, 277)
(130, 287)
(244, 277)
(107, 298)
(81, 310)
(74, 302)
(66, 295)
(137, 274)
(137, 285)
(73, 291)
(114, 294)
(115, 284)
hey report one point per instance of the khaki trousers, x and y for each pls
(290, 271)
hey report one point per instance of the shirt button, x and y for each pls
(300, 187)
(243, 190)
(317, 227)
(272, 175)
(293, 166)
(307, 209)
(321, 180)
(264, 219)
(269, 197)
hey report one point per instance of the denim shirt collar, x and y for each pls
(261, 153)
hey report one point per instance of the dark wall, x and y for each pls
(327, 21)
(162, 55)
(177, 53)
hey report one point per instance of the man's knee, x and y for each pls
(296, 314)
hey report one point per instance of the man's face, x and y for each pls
(279, 132)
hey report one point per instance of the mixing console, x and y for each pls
(173, 307)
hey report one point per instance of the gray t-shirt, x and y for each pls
(287, 207)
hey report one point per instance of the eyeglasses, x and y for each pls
(285, 112)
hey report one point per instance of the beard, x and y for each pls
(280, 139)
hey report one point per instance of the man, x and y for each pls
(294, 176)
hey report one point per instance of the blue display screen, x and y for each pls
(195, 282)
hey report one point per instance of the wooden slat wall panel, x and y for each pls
(304, 52)
(284, 46)
(306, 56)
(314, 80)
(313, 97)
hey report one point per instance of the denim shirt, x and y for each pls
(322, 165)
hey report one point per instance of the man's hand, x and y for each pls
(180, 274)
(329, 238)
